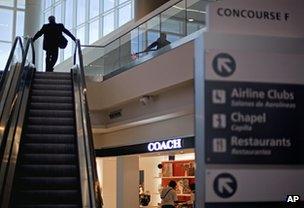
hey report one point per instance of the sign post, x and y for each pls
(249, 92)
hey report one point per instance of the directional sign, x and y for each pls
(225, 185)
(252, 185)
(224, 64)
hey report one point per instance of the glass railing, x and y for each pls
(176, 22)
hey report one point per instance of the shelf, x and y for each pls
(168, 177)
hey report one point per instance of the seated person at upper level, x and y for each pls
(159, 43)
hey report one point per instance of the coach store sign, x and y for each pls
(158, 145)
(165, 145)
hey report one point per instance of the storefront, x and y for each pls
(146, 168)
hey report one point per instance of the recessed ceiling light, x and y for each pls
(190, 19)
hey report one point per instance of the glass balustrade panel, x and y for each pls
(196, 15)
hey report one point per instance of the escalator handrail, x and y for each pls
(8, 81)
(17, 114)
(95, 195)
(10, 58)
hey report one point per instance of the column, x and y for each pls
(127, 181)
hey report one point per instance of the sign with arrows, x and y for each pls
(253, 115)
(249, 114)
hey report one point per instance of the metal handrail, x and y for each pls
(8, 83)
(16, 118)
(85, 134)
(10, 58)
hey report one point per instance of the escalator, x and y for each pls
(47, 153)
(46, 172)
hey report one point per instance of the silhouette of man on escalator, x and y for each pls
(52, 40)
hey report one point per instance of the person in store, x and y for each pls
(191, 202)
(168, 195)
(52, 40)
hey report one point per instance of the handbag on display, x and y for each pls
(144, 199)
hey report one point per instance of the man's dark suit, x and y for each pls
(52, 33)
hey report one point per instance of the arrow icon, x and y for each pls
(222, 65)
(223, 184)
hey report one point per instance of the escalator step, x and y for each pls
(51, 113)
(49, 196)
(51, 87)
(52, 106)
(48, 183)
(36, 148)
(49, 159)
(60, 93)
(52, 75)
(49, 138)
(51, 99)
(51, 121)
(48, 170)
(43, 129)
(53, 81)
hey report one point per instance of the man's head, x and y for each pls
(51, 19)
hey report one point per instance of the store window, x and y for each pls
(155, 171)
(152, 166)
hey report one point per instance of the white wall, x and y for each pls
(127, 181)
(107, 169)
